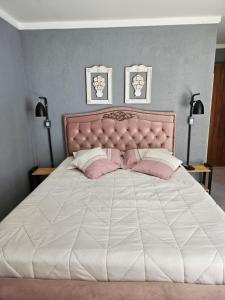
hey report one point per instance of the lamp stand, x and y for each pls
(47, 124)
(50, 147)
(190, 123)
(188, 166)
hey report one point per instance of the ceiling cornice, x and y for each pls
(120, 23)
(109, 23)
(8, 18)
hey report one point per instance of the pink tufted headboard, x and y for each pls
(120, 127)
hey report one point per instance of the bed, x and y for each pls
(125, 235)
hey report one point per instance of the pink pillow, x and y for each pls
(115, 155)
(97, 161)
(100, 167)
(133, 156)
(154, 168)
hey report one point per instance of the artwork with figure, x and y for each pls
(138, 84)
(99, 85)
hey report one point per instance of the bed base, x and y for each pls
(35, 289)
(131, 128)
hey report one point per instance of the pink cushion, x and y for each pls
(133, 156)
(115, 155)
(100, 167)
(154, 168)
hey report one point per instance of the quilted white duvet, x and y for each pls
(125, 226)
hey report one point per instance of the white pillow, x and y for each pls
(153, 151)
(81, 151)
(133, 156)
(84, 158)
(164, 157)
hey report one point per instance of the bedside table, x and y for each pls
(204, 170)
(36, 175)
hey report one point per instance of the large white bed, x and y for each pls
(123, 236)
(124, 226)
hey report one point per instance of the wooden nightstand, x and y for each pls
(36, 175)
(204, 170)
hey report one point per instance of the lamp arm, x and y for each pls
(193, 96)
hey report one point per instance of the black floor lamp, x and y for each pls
(196, 108)
(41, 110)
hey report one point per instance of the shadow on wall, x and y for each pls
(186, 98)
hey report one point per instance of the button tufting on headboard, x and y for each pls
(123, 128)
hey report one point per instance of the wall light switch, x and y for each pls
(190, 120)
(47, 123)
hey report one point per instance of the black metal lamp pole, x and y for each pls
(196, 107)
(42, 111)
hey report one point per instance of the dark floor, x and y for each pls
(218, 186)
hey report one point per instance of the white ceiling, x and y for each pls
(36, 14)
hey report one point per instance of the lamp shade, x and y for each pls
(40, 110)
(198, 108)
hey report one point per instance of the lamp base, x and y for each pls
(189, 167)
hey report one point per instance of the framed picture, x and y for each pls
(99, 85)
(138, 84)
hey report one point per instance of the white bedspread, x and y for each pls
(124, 226)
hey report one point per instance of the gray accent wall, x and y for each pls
(182, 58)
(15, 153)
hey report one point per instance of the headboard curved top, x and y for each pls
(120, 127)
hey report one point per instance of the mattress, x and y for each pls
(124, 226)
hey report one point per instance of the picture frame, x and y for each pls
(99, 85)
(138, 80)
